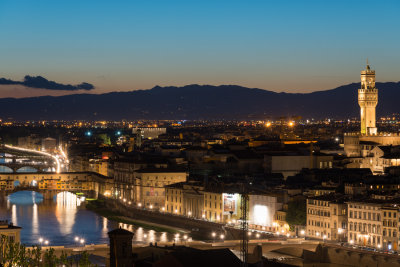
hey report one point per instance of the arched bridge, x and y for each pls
(15, 159)
(23, 166)
(50, 184)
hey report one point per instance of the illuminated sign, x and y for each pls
(230, 203)
(261, 215)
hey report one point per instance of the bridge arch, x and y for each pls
(5, 169)
(49, 169)
(25, 196)
(25, 169)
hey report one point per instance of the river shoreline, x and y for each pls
(97, 206)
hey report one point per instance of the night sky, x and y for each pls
(291, 46)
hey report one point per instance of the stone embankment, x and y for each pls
(200, 229)
(341, 256)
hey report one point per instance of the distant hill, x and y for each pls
(199, 102)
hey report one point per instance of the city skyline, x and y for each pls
(199, 133)
(132, 45)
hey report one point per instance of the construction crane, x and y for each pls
(244, 244)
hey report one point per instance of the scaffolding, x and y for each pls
(244, 244)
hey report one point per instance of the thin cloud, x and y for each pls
(42, 83)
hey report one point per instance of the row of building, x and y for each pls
(371, 221)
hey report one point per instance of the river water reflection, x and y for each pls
(61, 220)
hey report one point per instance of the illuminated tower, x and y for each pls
(368, 99)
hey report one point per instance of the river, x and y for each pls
(64, 220)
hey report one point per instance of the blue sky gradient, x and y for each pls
(291, 46)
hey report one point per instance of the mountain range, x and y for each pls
(193, 102)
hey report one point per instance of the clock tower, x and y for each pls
(367, 100)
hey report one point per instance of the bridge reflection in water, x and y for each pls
(60, 220)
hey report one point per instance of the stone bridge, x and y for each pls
(16, 166)
(50, 184)
(16, 158)
(47, 194)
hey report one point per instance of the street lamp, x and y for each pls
(189, 213)
(222, 236)
(41, 241)
(151, 206)
(302, 232)
(82, 241)
(46, 242)
(324, 237)
(258, 235)
(139, 205)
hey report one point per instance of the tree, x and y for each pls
(296, 213)
(16, 254)
(84, 260)
(50, 258)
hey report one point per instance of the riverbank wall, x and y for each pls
(200, 229)
(347, 257)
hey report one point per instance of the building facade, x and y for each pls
(365, 223)
(149, 186)
(327, 217)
